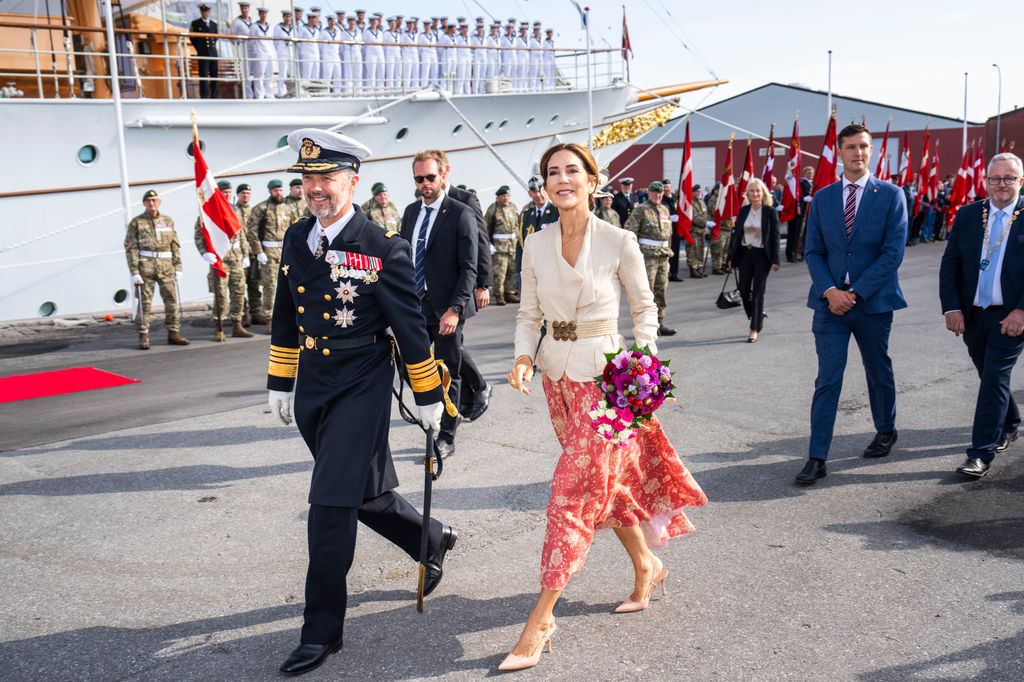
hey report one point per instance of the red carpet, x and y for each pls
(43, 384)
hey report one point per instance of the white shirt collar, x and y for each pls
(1008, 209)
(332, 232)
(861, 183)
(437, 202)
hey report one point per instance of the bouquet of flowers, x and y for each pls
(635, 383)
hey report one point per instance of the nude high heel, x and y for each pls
(660, 578)
(515, 662)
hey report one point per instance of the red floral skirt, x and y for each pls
(602, 485)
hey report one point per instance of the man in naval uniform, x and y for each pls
(242, 26)
(308, 52)
(533, 218)
(392, 56)
(342, 282)
(154, 259)
(284, 31)
(234, 263)
(410, 56)
(373, 55)
(330, 56)
(352, 69)
(206, 50)
(263, 56)
(549, 59)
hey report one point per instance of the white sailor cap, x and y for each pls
(262, 9)
(461, 20)
(412, 20)
(537, 24)
(244, 4)
(377, 15)
(286, 13)
(360, 11)
(549, 30)
(298, 9)
(524, 24)
(340, 12)
(314, 10)
(428, 21)
(392, 18)
(323, 151)
(625, 181)
(480, 21)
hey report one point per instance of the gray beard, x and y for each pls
(330, 211)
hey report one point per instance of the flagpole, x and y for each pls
(590, 89)
(628, 77)
(115, 88)
(964, 151)
(999, 105)
(830, 82)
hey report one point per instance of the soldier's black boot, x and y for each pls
(218, 331)
(237, 330)
(176, 339)
(143, 341)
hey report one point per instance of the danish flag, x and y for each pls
(684, 208)
(220, 224)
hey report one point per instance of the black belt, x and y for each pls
(321, 343)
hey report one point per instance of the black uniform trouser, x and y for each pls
(754, 265)
(472, 380)
(332, 541)
(673, 262)
(208, 69)
(449, 349)
(793, 240)
(994, 356)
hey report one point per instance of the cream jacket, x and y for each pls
(552, 290)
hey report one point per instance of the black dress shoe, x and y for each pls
(480, 403)
(308, 657)
(974, 467)
(445, 448)
(1004, 442)
(882, 444)
(666, 331)
(812, 471)
(435, 564)
(675, 278)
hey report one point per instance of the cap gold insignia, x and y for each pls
(309, 150)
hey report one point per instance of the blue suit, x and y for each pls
(871, 257)
(993, 353)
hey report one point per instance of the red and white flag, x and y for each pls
(726, 207)
(684, 207)
(627, 48)
(769, 161)
(882, 170)
(904, 172)
(825, 173)
(980, 174)
(933, 175)
(220, 224)
(922, 176)
(972, 188)
(748, 175)
(791, 192)
(958, 195)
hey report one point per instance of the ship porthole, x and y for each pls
(488, 126)
(120, 296)
(402, 133)
(503, 124)
(457, 129)
(190, 150)
(553, 119)
(529, 121)
(283, 142)
(88, 154)
(47, 309)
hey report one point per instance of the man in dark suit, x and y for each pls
(981, 285)
(856, 234)
(444, 237)
(206, 50)
(625, 199)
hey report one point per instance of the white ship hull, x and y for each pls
(82, 269)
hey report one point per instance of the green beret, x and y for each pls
(501, 190)
(244, 187)
(297, 182)
(149, 193)
(656, 186)
(223, 185)
(275, 184)
(377, 188)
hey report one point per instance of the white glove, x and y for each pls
(430, 416)
(210, 257)
(281, 405)
(245, 262)
(493, 250)
(710, 223)
(674, 217)
(261, 258)
(178, 275)
(808, 199)
(136, 279)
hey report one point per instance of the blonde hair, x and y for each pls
(766, 196)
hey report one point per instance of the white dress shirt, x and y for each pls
(752, 229)
(436, 206)
(996, 260)
(332, 232)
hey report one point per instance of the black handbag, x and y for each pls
(729, 299)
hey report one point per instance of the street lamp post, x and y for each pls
(999, 107)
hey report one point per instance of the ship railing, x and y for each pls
(57, 61)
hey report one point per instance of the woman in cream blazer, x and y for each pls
(572, 275)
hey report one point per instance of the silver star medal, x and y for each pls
(344, 317)
(336, 273)
(346, 292)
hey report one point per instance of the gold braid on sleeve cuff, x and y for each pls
(284, 362)
(428, 375)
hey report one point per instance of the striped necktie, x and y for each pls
(421, 248)
(850, 211)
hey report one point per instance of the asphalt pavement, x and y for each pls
(156, 531)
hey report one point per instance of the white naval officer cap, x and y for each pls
(323, 151)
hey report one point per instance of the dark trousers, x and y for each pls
(994, 355)
(673, 261)
(832, 341)
(449, 349)
(793, 240)
(472, 380)
(331, 535)
(207, 69)
(754, 265)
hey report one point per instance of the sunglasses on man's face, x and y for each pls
(421, 178)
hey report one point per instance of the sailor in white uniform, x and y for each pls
(493, 54)
(352, 62)
(480, 56)
(522, 56)
(536, 58)
(284, 31)
(373, 55)
(410, 55)
(446, 57)
(392, 57)
(309, 53)
(330, 57)
(242, 26)
(549, 59)
(508, 52)
(427, 41)
(263, 56)
(463, 60)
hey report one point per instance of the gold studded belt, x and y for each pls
(573, 331)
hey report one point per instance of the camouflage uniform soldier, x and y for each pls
(502, 220)
(650, 222)
(243, 209)
(604, 209)
(234, 262)
(265, 230)
(381, 210)
(296, 200)
(695, 248)
(154, 258)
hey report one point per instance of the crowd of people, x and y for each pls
(365, 53)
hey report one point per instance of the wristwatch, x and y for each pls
(457, 309)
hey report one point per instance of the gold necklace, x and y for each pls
(575, 239)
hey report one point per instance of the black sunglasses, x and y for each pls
(420, 178)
